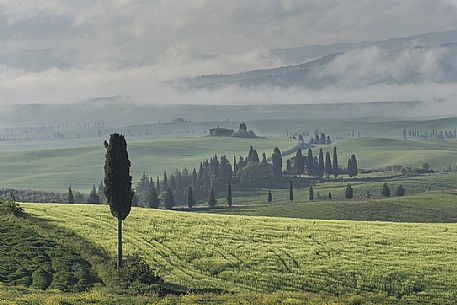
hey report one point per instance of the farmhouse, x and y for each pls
(221, 132)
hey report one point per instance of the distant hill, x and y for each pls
(301, 54)
(356, 68)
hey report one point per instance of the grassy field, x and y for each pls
(245, 253)
(380, 152)
(81, 167)
(433, 207)
(56, 169)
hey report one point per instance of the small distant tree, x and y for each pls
(385, 190)
(229, 195)
(168, 199)
(330, 197)
(335, 163)
(354, 166)
(93, 197)
(70, 197)
(328, 165)
(153, 198)
(291, 191)
(277, 162)
(190, 198)
(269, 196)
(400, 191)
(321, 165)
(212, 199)
(311, 193)
(349, 194)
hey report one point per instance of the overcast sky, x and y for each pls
(128, 47)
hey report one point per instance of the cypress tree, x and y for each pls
(321, 163)
(277, 162)
(168, 199)
(158, 185)
(400, 191)
(70, 197)
(194, 178)
(349, 194)
(288, 167)
(385, 190)
(264, 159)
(354, 165)
(328, 165)
(291, 191)
(350, 170)
(165, 182)
(300, 161)
(153, 198)
(212, 199)
(310, 165)
(190, 198)
(330, 197)
(269, 196)
(118, 183)
(229, 194)
(93, 197)
(336, 166)
(311, 193)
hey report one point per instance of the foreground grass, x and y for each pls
(9, 295)
(240, 254)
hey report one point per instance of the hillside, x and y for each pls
(56, 169)
(240, 253)
(356, 68)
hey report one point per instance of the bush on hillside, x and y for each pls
(135, 277)
(10, 207)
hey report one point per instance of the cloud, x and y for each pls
(132, 47)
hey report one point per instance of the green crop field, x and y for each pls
(56, 169)
(380, 152)
(245, 253)
(434, 207)
(81, 167)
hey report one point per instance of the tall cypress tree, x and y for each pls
(311, 193)
(310, 165)
(70, 197)
(350, 169)
(153, 198)
(328, 165)
(277, 162)
(165, 182)
(354, 165)
(190, 198)
(93, 197)
(212, 199)
(291, 191)
(118, 183)
(321, 163)
(158, 185)
(300, 162)
(168, 199)
(336, 167)
(269, 196)
(229, 194)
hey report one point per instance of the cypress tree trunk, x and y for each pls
(119, 242)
